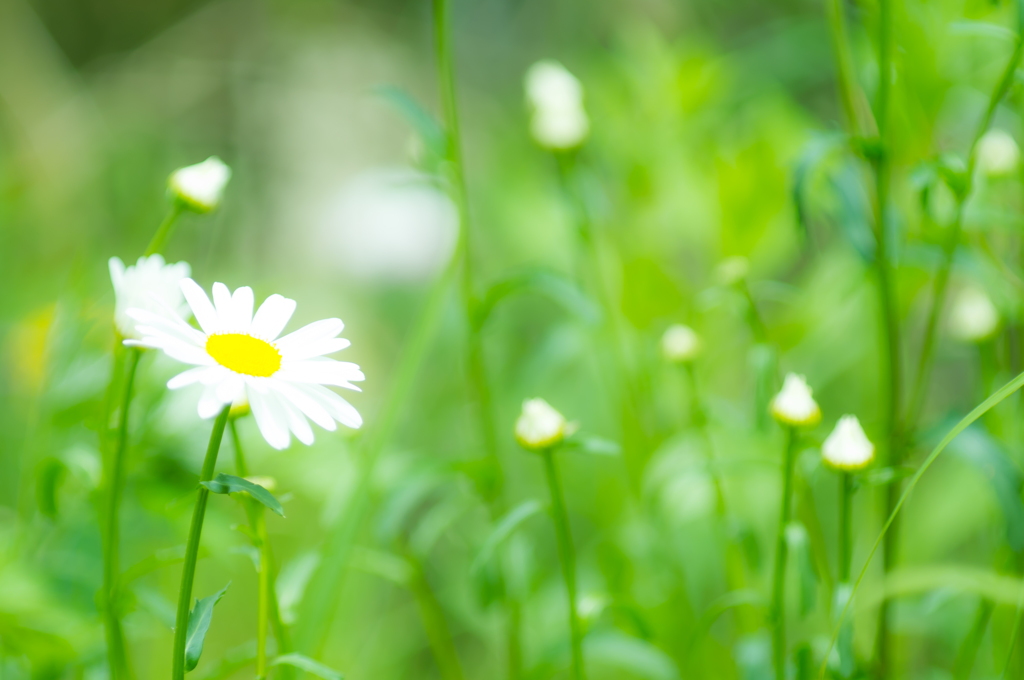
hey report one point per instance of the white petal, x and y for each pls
(318, 330)
(242, 302)
(171, 323)
(186, 354)
(201, 306)
(314, 348)
(296, 421)
(222, 301)
(229, 388)
(321, 371)
(116, 272)
(189, 377)
(271, 317)
(209, 405)
(270, 418)
(307, 404)
(340, 410)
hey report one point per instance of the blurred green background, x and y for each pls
(714, 127)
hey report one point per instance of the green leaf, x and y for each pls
(425, 125)
(505, 527)
(228, 484)
(198, 623)
(812, 156)
(976, 447)
(634, 655)
(753, 655)
(542, 282)
(49, 477)
(304, 663)
(597, 446)
(386, 565)
(983, 408)
(800, 547)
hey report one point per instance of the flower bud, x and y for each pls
(149, 284)
(200, 186)
(680, 344)
(794, 405)
(540, 426)
(848, 448)
(998, 153)
(973, 318)
(240, 406)
(555, 97)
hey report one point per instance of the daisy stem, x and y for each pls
(166, 228)
(568, 558)
(267, 608)
(116, 648)
(845, 525)
(778, 602)
(195, 531)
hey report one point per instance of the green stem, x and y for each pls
(432, 614)
(969, 651)
(188, 571)
(515, 642)
(778, 603)
(845, 525)
(568, 558)
(166, 228)
(267, 606)
(700, 422)
(491, 485)
(116, 648)
(941, 282)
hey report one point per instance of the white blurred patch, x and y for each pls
(390, 224)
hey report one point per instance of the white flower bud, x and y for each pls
(240, 406)
(732, 270)
(555, 97)
(998, 153)
(150, 284)
(680, 344)
(848, 448)
(973, 318)
(794, 405)
(540, 426)
(200, 186)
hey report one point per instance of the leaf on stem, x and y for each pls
(198, 624)
(303, 662)
(636, 656)
(228, 484)
(505, 527)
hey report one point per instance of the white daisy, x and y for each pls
(148, 284)
(237, 353)
(540, 426)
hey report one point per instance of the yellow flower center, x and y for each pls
(244, 354)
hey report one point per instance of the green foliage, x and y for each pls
(198, 624)
(228, 484)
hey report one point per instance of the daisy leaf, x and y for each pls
(198, 624)
(228, 484)
(505, 527)
(303, 662)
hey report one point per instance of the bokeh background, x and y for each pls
(714, 127)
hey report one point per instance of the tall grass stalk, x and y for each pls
(778, 601)
(567, 555)
(845, 525)
(117, 654)
(188, 571)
